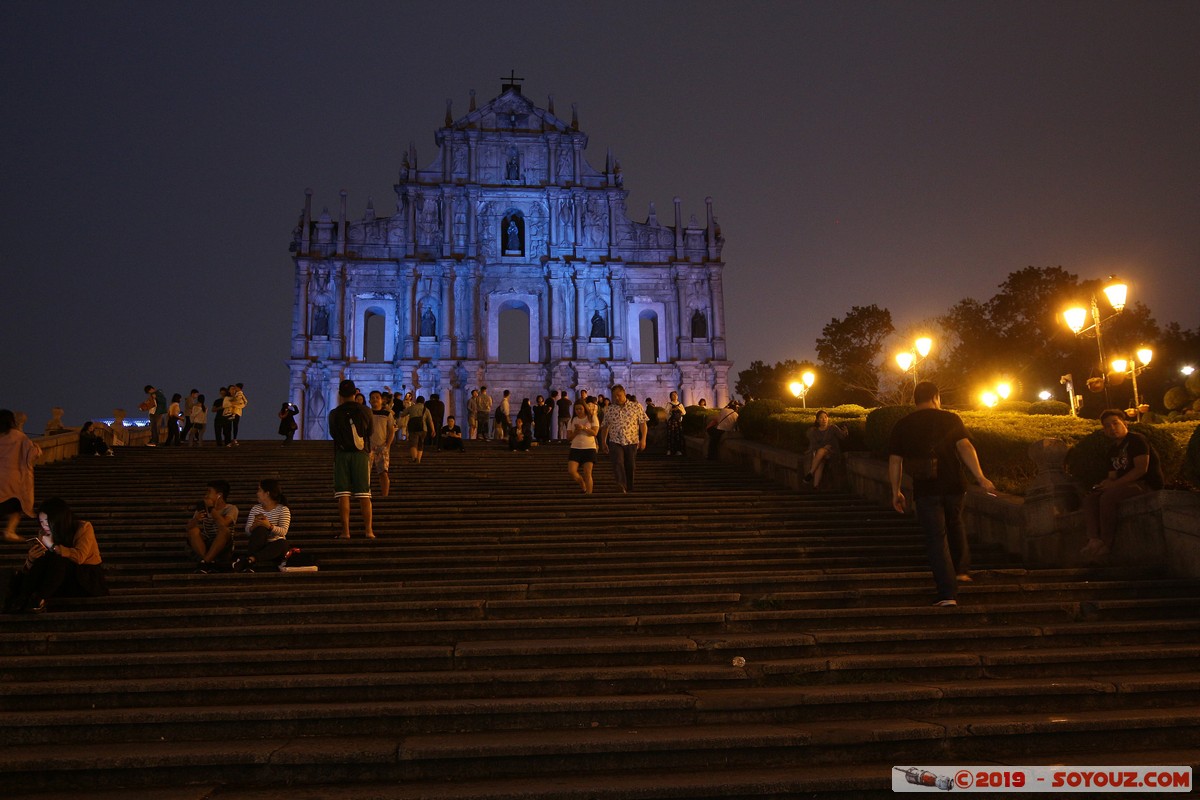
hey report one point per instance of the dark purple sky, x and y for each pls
(908, 154)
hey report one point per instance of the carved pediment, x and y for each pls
(511, 111)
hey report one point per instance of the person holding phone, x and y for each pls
(210, 530)
(70, 564)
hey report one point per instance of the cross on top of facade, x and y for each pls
(512, 81)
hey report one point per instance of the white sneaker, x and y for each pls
(945, 603)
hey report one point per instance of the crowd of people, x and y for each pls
(185, 419)
(930, 445)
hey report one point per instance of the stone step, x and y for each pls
(471, 648)
(597, 751)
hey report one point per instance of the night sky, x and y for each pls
(908, 154)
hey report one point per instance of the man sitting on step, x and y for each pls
(451, 435)
(210, 530)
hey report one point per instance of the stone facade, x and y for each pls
(508, 239)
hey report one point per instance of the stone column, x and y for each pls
(472, 222)
(717, 334)
(711, 233)
(472, 312)
(445, 329)
(472, 166)
(620, 310)
(300, 317)
(577, 217)
(684, 331)
(581, 311)
(447, 220)
(404, 302)
(410, 246)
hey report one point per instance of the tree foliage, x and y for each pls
(1019, 334)
(849, 350)
(762, 382)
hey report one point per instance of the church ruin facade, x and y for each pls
(510, 262)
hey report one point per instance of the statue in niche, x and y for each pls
(428, 323)
(599, 328)
(460, 159)
(699, 325)
(322, 299)
(595, 225)
(512, 237)
(315, 411)
(512, 171)
(565, 168)
(566, 220)
(320, 321)
(460, 220)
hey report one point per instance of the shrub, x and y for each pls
(878, 427)
(1191, 459)
(1088, 461)
(1053, 408)
(1012, 407)
(695, 420)
(752, 419)
(1176, 398)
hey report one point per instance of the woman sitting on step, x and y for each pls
(63, 562)
(267, 527)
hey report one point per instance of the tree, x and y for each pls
(760, 381)
(1019, 333)
(849, 350)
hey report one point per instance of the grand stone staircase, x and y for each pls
(507, 637)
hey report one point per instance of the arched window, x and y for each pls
(513, 324)
(648, 334)
(374, 330)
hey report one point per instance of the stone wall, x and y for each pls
(1045, 528)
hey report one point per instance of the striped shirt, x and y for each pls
(279, 517)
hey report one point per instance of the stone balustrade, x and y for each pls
(61, 446)
(1044, 529)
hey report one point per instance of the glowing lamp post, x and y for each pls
(908, 360)
(1076, 318)
(991, 397)
(1130, 367)
(800, 388)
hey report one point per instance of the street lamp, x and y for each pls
(991, 397)
(800, 388)
(1130, 367)
(1117, 293)
(908, 360)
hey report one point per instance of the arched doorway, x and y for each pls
(648, 334)
(514, 333)
(374, 330)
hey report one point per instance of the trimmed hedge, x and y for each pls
(1002, 440)
(1055, 408)
(695, 419)
(752, 419)
(879, 424)
(1191, 458)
